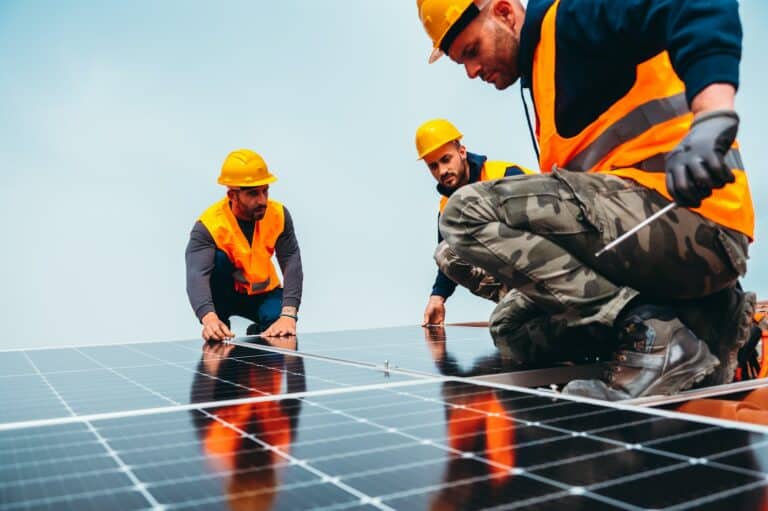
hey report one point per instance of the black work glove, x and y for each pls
(697, 165)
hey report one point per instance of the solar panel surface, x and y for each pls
(245, 427)
(454, 350)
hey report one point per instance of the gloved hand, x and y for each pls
(696, 165)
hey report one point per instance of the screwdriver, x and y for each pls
(632, 231)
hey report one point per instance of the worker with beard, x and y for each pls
(438, 144)
(229, 256)
(634, 106)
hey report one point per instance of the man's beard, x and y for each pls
(507, 60)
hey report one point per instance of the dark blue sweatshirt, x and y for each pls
(600, 42)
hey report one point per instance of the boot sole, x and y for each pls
(686, 375)
(728, 354)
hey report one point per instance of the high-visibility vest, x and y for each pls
(491, 170)
(255, 273)
(632, 137)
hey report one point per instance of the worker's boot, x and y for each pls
(660, 355)
(724, 321)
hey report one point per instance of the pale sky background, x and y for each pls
(115, 118)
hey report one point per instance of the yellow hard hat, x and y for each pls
(440, 17)
(433, 134)
(245, 168)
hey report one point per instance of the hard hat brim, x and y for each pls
(249, 183)
(435, 55)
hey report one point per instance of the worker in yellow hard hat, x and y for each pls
(634, 103)
(229, 255)
(438, 144)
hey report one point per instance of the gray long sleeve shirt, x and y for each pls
(200, 255)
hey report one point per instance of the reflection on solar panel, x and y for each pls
(168, 426)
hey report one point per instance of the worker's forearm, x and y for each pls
(717, 96)
(289, 259)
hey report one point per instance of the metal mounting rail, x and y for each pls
(707, 392)
(547, 376)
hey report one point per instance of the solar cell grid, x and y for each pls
(460, 351)
(450, 351)
(402, 443)
(134, 377)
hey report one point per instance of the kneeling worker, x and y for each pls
(452, 166)
(229, 255)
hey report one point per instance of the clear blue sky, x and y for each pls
(116, 118)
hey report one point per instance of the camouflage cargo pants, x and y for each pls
(539, 234)
(474, 278)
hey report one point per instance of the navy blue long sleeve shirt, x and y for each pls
(600, 43)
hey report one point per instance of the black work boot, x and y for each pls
(724, 321)
(660, 356)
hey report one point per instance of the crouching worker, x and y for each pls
(658, 127)
(438, 144)
(229, 256)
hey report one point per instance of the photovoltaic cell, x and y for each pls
(245, 427)
(133, 377)
(453, 351)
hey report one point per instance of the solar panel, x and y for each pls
(256, 427)
(455, 350)
(51, 383)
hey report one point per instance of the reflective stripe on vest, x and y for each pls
(491, 170)
(657, 162)
(254, 271)
(633, 136)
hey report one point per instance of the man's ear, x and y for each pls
(502, 10)
(231, 194)
(463, 151)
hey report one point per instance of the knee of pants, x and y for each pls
(513, 310)
(451, 216)
(270, 307)
(445, 258)
(462, 210)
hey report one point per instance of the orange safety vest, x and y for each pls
(255, 272)
(491, 170)
(632, 137)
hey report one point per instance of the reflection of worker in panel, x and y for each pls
(438, 144)
(229, 256)
(251, 471)
(476, 422)
(479, 421)
(636, 100)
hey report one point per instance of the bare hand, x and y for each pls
(215, 329)
(282, 326)
(434, 314)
